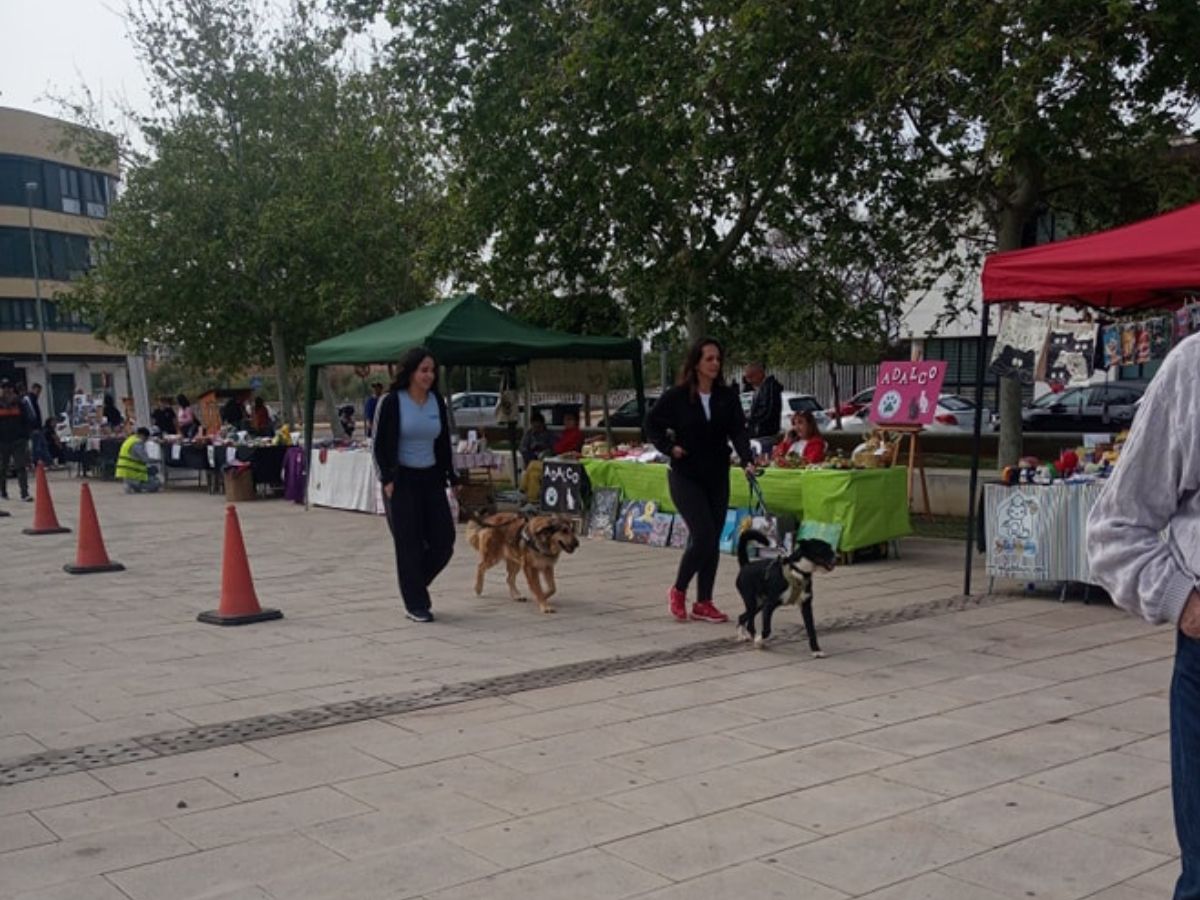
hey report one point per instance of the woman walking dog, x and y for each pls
(412, 456)
(693, 423)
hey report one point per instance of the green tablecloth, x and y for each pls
(871, 505)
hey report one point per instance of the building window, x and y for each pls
(60, 257)
(21, 315)
(61, 188)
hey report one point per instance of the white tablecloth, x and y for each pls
(346, 480)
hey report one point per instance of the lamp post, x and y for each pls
(30, 187)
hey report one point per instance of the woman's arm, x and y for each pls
(660, 418)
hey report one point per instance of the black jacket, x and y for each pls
(677, 419)
(14, 425)
(766, 410)
(387, 438)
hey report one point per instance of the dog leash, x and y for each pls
(757, 500)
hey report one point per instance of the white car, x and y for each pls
(792, 403)
(954, 415)
(475, 409)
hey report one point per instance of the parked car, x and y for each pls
(856, 405)
(1091, 407)
(626, 415)
(792, 403)
(475, 409)
(955, 414)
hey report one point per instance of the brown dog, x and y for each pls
(531, 544)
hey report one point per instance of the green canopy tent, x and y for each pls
(462, 331)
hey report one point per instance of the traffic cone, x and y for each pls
(239, 603)
(44, 519)
(90, 555)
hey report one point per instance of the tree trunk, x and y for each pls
(837, 401)
(697, 324)
(279, 351)
(335, 425)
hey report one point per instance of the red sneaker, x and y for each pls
(706, 612)
(677, 602)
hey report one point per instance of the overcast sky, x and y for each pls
(55, 46)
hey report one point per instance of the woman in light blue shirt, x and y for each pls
(412, 456)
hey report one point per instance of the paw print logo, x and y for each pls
(889, 405)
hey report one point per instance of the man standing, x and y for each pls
(766, 410)
(371, 405)
(32, 407)
(14, 441)
(133, 465)
(1143, 540)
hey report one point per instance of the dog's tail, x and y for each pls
(748, 537)
(473, 528)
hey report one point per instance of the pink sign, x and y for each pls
(906, 393)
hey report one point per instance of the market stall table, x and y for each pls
(1036, 532)
(344, 478)
(871, 505)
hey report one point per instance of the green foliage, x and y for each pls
(283, 199)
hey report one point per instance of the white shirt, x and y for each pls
(706, 402)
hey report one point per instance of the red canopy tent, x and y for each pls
(1146, 265)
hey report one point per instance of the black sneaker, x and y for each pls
(425, 616)
(26, 499)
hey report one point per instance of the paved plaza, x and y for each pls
(943, 751)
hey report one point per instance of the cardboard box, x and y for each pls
(239, 484)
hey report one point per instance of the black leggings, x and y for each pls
(703, 508)
(422, 530)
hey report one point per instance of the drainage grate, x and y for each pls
(204, 737)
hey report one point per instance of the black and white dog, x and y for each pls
(766, 584)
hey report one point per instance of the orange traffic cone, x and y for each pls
(90, 555)
(44, 519)
(239, 603)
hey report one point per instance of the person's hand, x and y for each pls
(751, 472)
(1189, 620)
(678, 452)
(387, 490)
(457, 490)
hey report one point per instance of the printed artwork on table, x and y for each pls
(1182, 323)
(679, 533)
(736, 521)
(1070, 352)
(1111, 338)
(829, 532)
(1143, 343)
(602, 517)
(660, 529)
(1020, 345)
(1159, 330)
(638, 520)
(1015, 543)
(1129, 342)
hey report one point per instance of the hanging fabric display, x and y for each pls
(1070, 353)
(1159, 331)
(1129, 342)
(1110, 337)
(1020, 345)
(1183, 323)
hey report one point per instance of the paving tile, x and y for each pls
(842, 805)
(1147, 715)
(1146, 822)
(146, 805)
(1160, 882)
(416, 814)
(1122, 892)
(1005, 813)
(93, 854)
(51, 791)
(934, 886)
(991, 686)
(217, 762)
(405, 871)
(691, 796)
(224, 869)
(21, 830)
(800, 730)
(878, 855)
(1057, 865)
(1107, 778)
(96, 887)
(593, 874)
(256, 782)
(246, 821)
(519, 842)
(564, 750)
(1156, 748)
(817, 764)
(680, 725)
(889, 709)
(706, 844)
(752, 880)
(929, 735)
(693, 756)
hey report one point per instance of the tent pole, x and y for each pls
(604, 406)
(976, 441)
(640, 387)
(310, 402)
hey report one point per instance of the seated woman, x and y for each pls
(571, 438)
(803, 439)
(537, 440)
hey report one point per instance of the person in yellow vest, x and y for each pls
(133, 465)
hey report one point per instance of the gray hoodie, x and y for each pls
(1143, 534)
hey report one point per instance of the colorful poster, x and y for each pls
(660, 530)
(1111, 339)
(1019, 345)
(1071, 350)
(679, 533)
(1159, 330)
(906, 393)
(602, 517)
(641, 523)
(1129, 343)
(1183, 323)
(1194, 314)
(1143, 343)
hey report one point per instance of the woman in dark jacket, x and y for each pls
(412, 456)
(694, 423)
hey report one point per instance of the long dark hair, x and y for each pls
(409, 363)
(810, 420)
(687, 373)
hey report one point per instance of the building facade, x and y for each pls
(43, 179)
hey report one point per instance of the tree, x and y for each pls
(988, 114)
(282, 199)
(629, 156)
